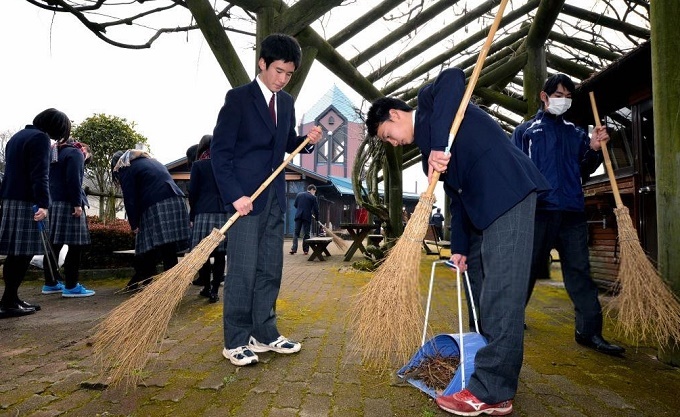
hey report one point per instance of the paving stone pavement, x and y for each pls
(47, 367)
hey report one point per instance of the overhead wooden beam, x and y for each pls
(432, 40)
(363, 22)
(394, 36)
(503, 118)
(218, 41)
(504, 47)
(568, 67)
(302, 14)
(584, 46)
(518, 107)
(545, 18)
(519, 13)
(507, 69)
(605, 21)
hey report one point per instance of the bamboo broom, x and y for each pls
(387, 313)
(337, 240)
(647, 308)
(125, 339)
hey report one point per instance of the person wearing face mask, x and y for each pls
(564, 153)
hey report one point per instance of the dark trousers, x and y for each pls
(498, 265)
(216, 268)
(305, 227)
(567, 231)
(145, 263)
(254, 269)
(13, 273)
(71, 266)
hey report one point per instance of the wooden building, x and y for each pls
(623, 92)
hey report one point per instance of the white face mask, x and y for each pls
(558, 105)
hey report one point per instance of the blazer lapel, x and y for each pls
(261, 106)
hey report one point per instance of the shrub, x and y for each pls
(106, 238)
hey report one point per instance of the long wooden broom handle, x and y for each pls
(605, 153)
(266, 183)
(470, 88)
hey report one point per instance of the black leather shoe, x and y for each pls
(599, 344)
(292, 252)
(24, 304)
(213, 297)
(17, 310)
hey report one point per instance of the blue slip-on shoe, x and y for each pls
(53, 289)
(77, 291)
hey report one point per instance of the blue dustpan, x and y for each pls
(447, 345)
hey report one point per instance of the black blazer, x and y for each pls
(306, 205)
(204, 197)
(27, 158)
(66, 177)
(487, 174)
(247, 146)
(144, 183)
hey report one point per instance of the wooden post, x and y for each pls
(664, 16)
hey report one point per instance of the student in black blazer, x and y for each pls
(492, 186)
(255, 128)
(155, 209)
(306, 206)
(27, 158)
(207, 212)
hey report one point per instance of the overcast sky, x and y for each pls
(172, 91)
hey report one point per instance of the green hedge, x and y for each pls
(106, 238)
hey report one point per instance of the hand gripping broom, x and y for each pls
(387, 313)
(132, 330)
(647, 308)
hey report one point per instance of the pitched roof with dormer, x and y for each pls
(336, 99)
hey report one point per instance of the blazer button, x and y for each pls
(460, 191)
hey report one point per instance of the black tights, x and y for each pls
(217, 269)
(145, 263)
(71, 266)
(13, 273)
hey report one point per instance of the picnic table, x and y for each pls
(319, 246)
(358, 232)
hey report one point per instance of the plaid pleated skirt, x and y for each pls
(165, 222)
(66, 228)
(19, 233)
(204, 223)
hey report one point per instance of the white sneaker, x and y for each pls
(280, 345)
(240, 356)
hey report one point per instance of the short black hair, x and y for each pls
(555, 80)
(203, 145)
(115, 157)
(280, 47)
(56, 124)
(380, 112)
(311, 187)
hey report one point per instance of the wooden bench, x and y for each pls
(319, 246)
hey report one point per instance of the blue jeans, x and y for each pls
(567, 231)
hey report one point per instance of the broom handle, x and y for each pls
(470, 88)
(605, 153)
(266, 183)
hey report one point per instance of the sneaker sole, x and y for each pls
(488, 411)
(242, 362)
(52, 292)
(77, 295)
(262, 349)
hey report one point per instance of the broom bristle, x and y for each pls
(133, 330)
(387, 313)
(337, 240)
(648, 311)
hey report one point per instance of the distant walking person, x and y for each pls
(437, 220)
(563, 153)
(155, 210)
(206, 212)
(26, 183)
(307, 206)
(68, 221)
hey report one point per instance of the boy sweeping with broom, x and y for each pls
(492, 187)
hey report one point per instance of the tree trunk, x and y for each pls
(664, 16)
